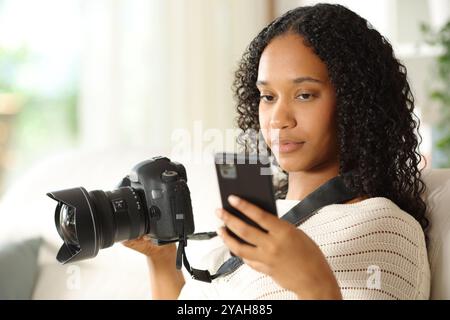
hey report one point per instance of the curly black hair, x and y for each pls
(377, 129)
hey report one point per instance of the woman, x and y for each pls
(329, 96)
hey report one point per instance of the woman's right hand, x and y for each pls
(145, 246)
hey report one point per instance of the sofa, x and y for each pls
(120, 273)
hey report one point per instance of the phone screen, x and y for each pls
(249, 177)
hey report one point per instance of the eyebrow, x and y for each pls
(296, 80)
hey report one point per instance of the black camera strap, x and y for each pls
(332, 192)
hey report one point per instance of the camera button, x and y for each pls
(155, 213)
(119, 205)
(169, 176)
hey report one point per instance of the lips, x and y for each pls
(285, 145)
(290, 142)
(285, 141)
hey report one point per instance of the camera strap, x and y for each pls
(333, 191)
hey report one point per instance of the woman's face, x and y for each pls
(297, 105)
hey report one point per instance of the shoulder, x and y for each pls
(373, 233)
(371, 213)
(375, 219)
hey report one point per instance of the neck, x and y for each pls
(302, 183)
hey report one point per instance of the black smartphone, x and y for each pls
(249, 177)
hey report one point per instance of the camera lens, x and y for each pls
(90, 221)
(152, 200)
(67, 224)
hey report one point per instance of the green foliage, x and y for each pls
(11, 61)
(45, 123)
(47, 115)
(441, 94)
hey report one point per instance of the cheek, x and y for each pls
(264, 123)
(318, 123)
(325, 130)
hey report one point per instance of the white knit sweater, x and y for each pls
(375, 249)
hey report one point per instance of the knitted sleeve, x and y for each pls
(376, 250)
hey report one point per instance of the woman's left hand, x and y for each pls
(284, 253)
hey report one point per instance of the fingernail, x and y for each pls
(219, 232)
(234, 200)
(219, 213)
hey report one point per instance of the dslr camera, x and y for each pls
(153, 200)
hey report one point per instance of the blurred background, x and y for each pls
(88, 88)
(116, 73)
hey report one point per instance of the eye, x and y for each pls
(305, 96)
(266, 98)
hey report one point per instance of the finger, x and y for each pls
(242, 229)
(132, 243)
(240, 249)
(258, 266)
(138, 243)
(265, 219)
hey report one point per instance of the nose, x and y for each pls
(281, 117)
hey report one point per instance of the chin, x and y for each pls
(291, 164)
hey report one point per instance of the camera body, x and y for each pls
(153, 199)
(167, 198)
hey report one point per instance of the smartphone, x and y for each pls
(249, 177)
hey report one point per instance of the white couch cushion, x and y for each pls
(438, 213)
